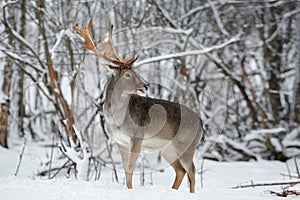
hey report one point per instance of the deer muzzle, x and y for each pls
(142, 88)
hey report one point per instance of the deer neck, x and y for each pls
(116, 101)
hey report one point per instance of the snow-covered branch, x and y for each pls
(218, 18)
(189, 52)
(79, 155)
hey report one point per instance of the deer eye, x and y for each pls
(127, 75)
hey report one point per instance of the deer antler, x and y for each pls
(110, 53)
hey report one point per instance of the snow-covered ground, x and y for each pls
(218, 179)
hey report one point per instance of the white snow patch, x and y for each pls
(218, 178)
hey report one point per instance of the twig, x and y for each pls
(201, 175)
(142, 175)
(267, 184)
(102, 119)
(109, 149)
(59, 169)
(288, 169)
(289, 175)
(296, 165)
(285, 193)
(151, 178)
(21, 157)
(98, 174)
(95, 165)
(51, 158)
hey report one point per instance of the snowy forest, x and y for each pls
(233, 62)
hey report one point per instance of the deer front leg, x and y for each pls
(134, 150)
(124, 155)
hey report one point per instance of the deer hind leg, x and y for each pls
(187, 163)
(186, 160)
(191, 176)
(180, 172)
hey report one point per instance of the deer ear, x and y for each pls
(112, 69)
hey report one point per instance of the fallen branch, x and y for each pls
(289, 175)
(267, 184)
(285, 193)
(53, 169)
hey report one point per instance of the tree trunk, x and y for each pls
(297, 109)
(4, 112)
(297, 83)
(272, 52)
(21, 73)
(7, 74)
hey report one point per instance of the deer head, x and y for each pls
(121, 69)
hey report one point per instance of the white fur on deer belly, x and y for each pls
(154, 143)
(150, 144)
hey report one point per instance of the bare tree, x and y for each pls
(6, 85)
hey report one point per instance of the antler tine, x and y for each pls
(88, 42)
(109, 47)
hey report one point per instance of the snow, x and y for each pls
(218, 179)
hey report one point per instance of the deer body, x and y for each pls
(136, 122)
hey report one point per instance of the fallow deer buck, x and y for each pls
(136, 122)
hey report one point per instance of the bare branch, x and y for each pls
(267, 184)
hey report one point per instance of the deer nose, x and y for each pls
(146, 86)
